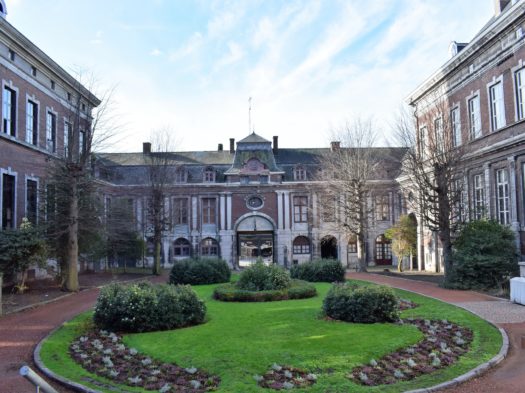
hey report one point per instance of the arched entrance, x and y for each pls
(255, 240)
(329, 247)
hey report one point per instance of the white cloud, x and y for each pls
(235, 53)
(98, 38)
(156, 52)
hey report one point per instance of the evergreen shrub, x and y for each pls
(200, 271)
(320, 270)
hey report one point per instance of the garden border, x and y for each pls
(475, 372)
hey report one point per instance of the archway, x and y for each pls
(329, 247)
(255, 240)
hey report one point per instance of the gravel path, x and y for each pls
(509, 376)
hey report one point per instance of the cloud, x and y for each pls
(194, 43)
(156, 52)
(235, 53)
(98, 38)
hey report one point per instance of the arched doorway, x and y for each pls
(329, 247)
(383, 251)
(255, 240)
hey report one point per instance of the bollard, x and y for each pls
(35, 379)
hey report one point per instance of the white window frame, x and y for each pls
(455, 124)
(68, 129)
(439, 140)
(518, 74)
(496, 101)
(34, 101)
(35, 179)
(474, 116)
(479, 195)
(423, 142)
(502, 196)
(9, 84)
(49, 130)
(9, 172)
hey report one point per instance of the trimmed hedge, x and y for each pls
(144, 307)
(200, 271)
(260, 277)
(231, 293)
(349, 303)
(320, 270)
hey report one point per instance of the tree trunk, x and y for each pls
(71, 284)
(446, 243)
(156, 259)
(361, 254)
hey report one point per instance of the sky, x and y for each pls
(191, 66)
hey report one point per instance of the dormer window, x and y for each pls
(209, 175)
(299, 173)
(181, 175)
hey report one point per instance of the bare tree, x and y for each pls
(433, 170)
(346, 171)
(71, 208)
(161, 172)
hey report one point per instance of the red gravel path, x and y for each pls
(508, 376)
(21, 332)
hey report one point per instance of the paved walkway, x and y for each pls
(21, 332)
(509, 376)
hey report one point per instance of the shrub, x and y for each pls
(485, 256)
(349, 303)
(320, 270)
(297, 290)
(145, 307)
(260, 277)
(200, 271)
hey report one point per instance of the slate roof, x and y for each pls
(254, 138)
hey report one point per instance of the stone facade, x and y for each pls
(483, 86)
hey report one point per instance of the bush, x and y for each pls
(320, 270)
(260, 277)
(145, 307)
(200, 271)
(349, 303)
(297, 290)
(485, 256)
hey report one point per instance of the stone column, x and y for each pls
(229, 211)
(286, 209)
(280, 218)
(223, 211)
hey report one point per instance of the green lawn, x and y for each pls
(240, 340)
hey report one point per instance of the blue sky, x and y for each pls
(309, 65)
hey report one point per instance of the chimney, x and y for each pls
(275, 145)
(499, 6)
(146, 148)
(335, 146)
(219, 148)
(232, 145)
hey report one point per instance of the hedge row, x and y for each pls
(320, 270)
(297, 290)
(200, 271)
(144, 307)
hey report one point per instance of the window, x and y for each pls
(67, 133)
(53, 85)
(382, 207)
(300, 209)
(328, 208)
(69, 96)
(503, 196)
(32, 122)
(519, 78)
(383, 250)
(299, 173)
(31, 201)
(9, 111)
(208, 210)
(474, 117)
(301, 245)
(479, 197)
(438, 134)
(180, 175)
(423, 142)
(352, 245)
(497, 106)
(209, 247)
(51, 132)
(12, 55)
(180, 211)
(8, 201)
(181, 248)
(209, 175)
(456, 126)
(81, 142)
(33, 71)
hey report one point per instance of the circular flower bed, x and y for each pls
(297, 290)
(102, 353)
(443, 344)
(285, 377)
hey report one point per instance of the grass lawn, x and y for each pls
(241, 340)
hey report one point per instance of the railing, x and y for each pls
(35, 379)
